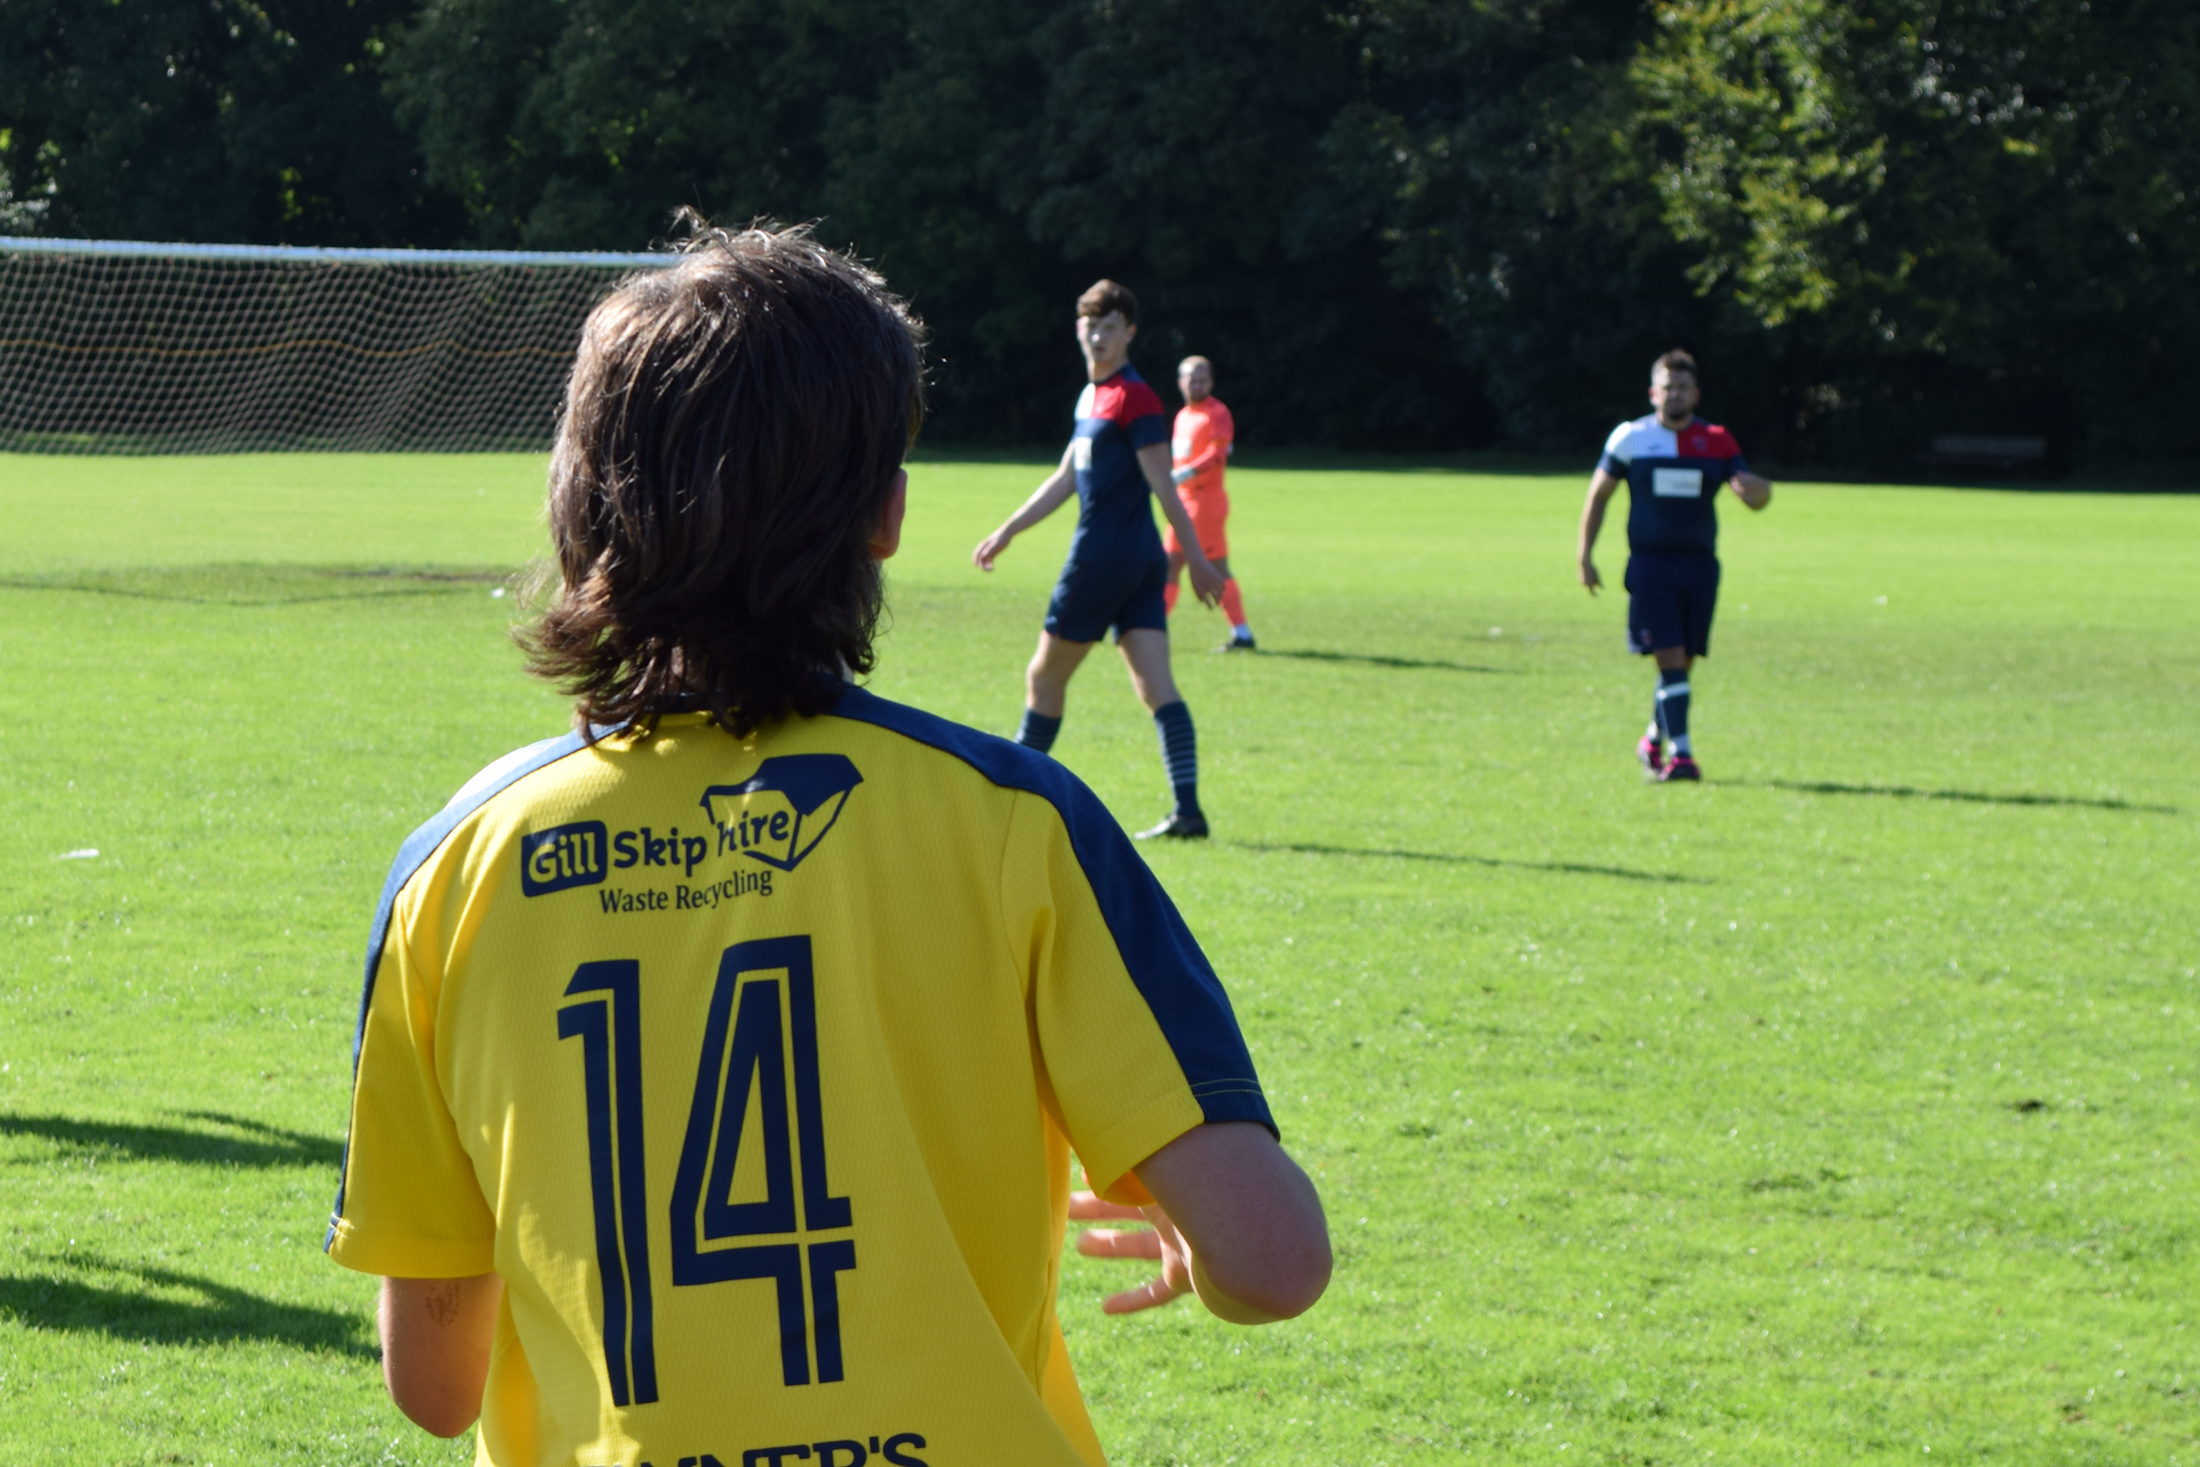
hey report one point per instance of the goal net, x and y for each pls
(119, 347)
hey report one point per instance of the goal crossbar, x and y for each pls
(140, 347)
(136, 249)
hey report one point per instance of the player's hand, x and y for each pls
(991, 546)
(1162, 1241)
(1207, 582)
(1589, 576)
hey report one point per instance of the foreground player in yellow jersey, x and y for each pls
(719, 1065)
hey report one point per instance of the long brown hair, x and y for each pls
(729, 441)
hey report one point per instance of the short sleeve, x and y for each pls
(1135, 1034)
(410, 1205)
(1736, 464)
(1615, 457)
(1141, 416)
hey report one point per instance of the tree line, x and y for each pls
(1407, 224)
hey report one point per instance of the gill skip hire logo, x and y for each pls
(779, 814)
(562, 856)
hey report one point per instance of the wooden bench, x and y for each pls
(1987, 451)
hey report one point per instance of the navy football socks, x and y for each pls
(1037, 731)
(1673, 707)
(1180, 754)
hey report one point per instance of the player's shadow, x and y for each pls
(1375, 659)
(262, 585)
(260, 1147)
(206, 1312)
(1562, 868)
(1971, 797)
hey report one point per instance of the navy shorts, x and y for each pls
(1670, 599)
(1099, 592)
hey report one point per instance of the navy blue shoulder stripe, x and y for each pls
(414, 854)
(1171, 973)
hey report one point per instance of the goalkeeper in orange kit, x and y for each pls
(1200, 449)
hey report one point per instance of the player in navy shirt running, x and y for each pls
(1673, 464)
(1116, 464)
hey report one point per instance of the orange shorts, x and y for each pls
(1210, 511)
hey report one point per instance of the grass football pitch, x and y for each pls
(1841, 1109)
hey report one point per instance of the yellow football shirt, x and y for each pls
(753, 1066)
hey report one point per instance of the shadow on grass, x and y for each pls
(1372, 659)
(1562, 868)
(262, 1147)
(264, 585)
(216, 1314)
(1973, 797)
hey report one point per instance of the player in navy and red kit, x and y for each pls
(1117, 464)
(1673, 464)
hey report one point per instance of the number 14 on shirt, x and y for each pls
(758, 1030)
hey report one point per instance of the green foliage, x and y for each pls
(896, 125)
(1988, 207)
(1874, 222)
(1770, 164)
(1837, 1108)
(994, 158)
(1482, 152)
(1403, 223)
(207, 120)
(574, 125)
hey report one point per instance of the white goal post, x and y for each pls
(110, 346)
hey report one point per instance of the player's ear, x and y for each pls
(887, 538)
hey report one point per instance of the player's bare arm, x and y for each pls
(1056, 490)
(1153, 461)
(436, 1335)
(1753, 490)
(1237, 1222)
(1602, 486)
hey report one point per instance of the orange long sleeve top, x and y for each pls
(1201, 443)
